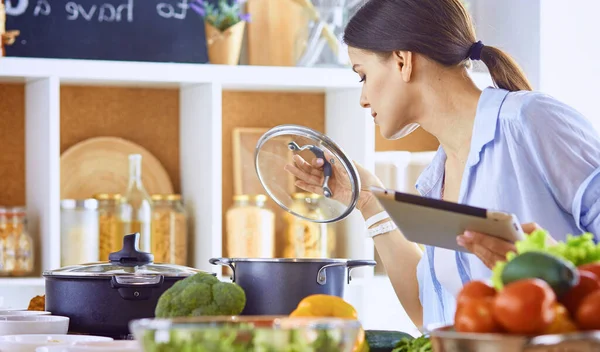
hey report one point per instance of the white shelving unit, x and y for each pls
(200, 97)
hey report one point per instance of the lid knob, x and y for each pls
(130, 254)
(327, 171)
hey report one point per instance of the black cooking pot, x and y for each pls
(276, 286)
(101, 298)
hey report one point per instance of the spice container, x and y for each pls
(250, 228)
(19, 244)
(110, 228)
(169, 229)
(307, 239)
(78, 231)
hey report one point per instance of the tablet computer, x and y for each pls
(437, 222)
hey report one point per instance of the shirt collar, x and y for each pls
(484, 131)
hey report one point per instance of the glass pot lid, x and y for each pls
(322, 195)
(128, 261)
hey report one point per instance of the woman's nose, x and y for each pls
(363, 101)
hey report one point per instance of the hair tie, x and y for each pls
(475, 51)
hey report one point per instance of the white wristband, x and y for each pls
(376, 218)
(386, 227)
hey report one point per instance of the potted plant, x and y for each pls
(225, 23)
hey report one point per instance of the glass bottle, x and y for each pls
(110, 228)
(169, 229)
(250, 228)
(137, 207)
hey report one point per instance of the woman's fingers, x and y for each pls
(305, 166)
(487, 248)
(309, 187)
(304, 176)
(530, 227)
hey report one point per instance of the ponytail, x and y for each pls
(505, 72)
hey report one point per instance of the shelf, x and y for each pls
(159, 75)
(22, 281)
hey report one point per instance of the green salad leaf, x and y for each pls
(578, 250)
(419, 344)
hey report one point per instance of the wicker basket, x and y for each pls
(445, 339)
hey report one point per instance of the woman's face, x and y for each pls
(386, 89)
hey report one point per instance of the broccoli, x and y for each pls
(199, 295)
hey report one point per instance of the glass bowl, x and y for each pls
(246, 334)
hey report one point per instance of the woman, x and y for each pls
(504, 148)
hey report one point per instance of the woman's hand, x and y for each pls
(489, 248)
(310, 178)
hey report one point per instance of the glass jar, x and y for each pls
(306, 239)
(250, 228)
(19, 243)
(110, 228)
(169, 229)
(78, 231)
(6, 261)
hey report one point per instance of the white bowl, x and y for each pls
(29, 342)
(98, 346)
(12, 312)
(33, 324)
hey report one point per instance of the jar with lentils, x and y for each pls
(169, 231)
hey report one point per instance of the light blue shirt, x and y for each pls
(530, 155)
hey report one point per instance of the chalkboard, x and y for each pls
(125, 30)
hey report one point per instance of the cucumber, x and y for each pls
(384, 340)
(560, 274)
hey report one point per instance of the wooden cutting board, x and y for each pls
(101, 165)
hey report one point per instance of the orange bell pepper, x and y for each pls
(562, 324)
(331, 306)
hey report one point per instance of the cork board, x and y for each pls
(152, 117)
(12, 150)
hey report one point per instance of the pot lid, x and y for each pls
(128, 261)
(333, 191)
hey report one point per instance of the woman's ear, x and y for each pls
(403, 61)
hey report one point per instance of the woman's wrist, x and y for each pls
(370, 207)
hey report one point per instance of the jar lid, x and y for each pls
(107, 196)
(277, 149)
(247, 197)
(170, 197)
(128, 261)
(89, 204)
(16, 211)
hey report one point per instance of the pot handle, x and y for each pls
(225, 262)
(322, 273)
(352, 264)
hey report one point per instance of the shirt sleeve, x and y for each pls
(565, 147)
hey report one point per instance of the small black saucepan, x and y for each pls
(102, 298)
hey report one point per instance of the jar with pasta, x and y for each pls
(21, 241)
(110, 227)
(169, 232)
(306, 239)
(250, 228)
(7, 251)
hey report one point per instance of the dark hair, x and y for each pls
(439, 29)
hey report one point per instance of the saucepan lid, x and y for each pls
(334, 188)
(128, 261)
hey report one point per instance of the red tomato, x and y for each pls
(525, 307)
(474, 289)
(588, 283)
(476, 315)
(588, 313)
(593, 268)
